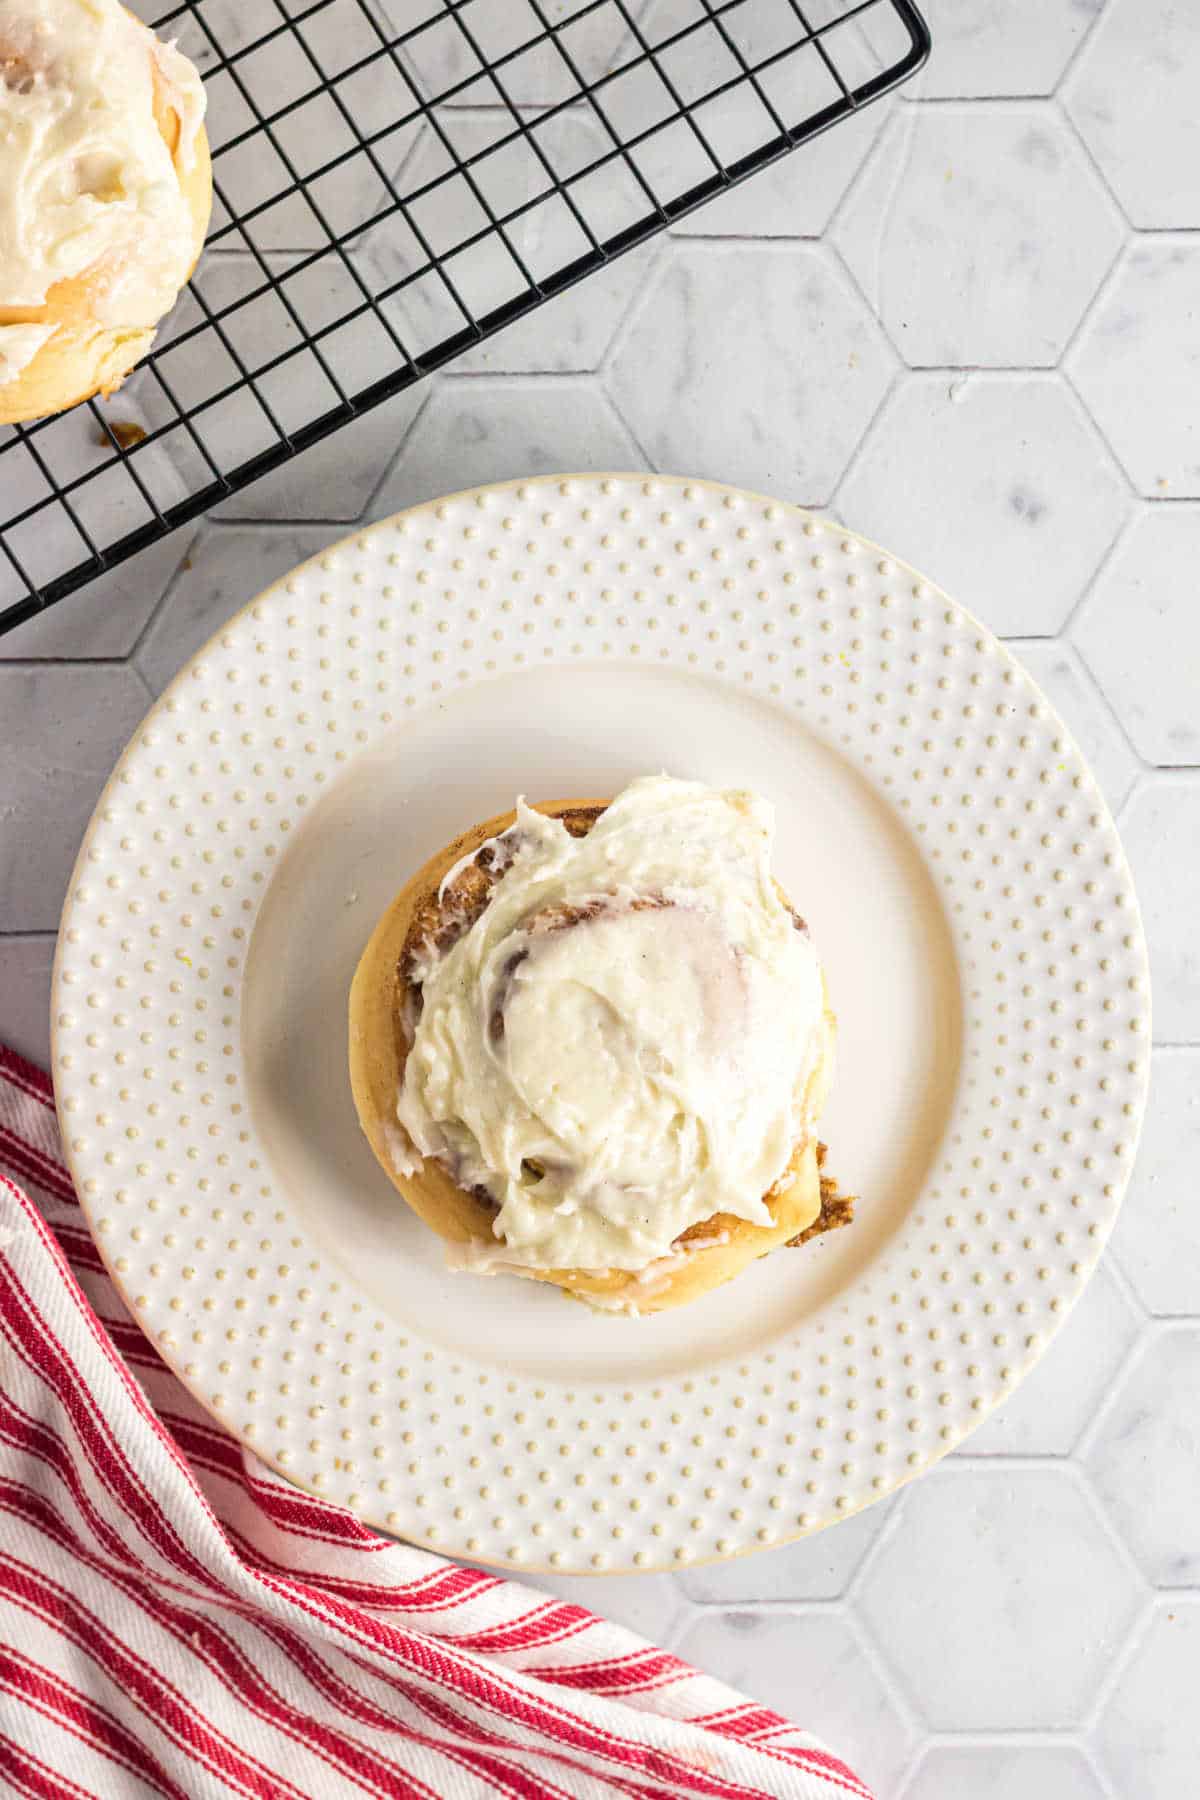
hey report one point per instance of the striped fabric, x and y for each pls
(177, 1621)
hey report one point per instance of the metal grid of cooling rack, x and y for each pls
(394, 180)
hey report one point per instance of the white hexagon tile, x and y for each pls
(1149, 1438)
(781, 1654)
(1161, 831)
(1142, 50)
(1156, 1242)
(1000, 1598)
(471, 428)
(969, 325)
(1137, 365)
(1147, 1730)
(776, 205)
(777, 399)
(984, 50)
(999, 1770)
(955, 460)
(979, 234)
(1139, 632)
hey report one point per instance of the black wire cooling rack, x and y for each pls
(395, 180)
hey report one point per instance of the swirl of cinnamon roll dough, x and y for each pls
(589, 1044)
(105, 194)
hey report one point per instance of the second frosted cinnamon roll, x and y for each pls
(105, 195)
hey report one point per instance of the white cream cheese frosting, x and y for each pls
(19, 344)
(620, 1045)
(84, 172)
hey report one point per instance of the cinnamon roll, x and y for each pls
(105, 194)
(590, 1042)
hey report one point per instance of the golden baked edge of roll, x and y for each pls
(85, 358)
(378, 1049)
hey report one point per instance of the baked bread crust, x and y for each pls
(384, 1004)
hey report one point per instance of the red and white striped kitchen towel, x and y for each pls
(176, 1620)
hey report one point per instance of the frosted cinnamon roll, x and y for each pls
(590, 1043)
(105, 194)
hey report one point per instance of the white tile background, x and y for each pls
(968, 324)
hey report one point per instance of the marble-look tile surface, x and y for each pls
(1139, 632)
(1133, 97)
(223, 565)
(955, 461)
(334, 479)
(447, 55)
(1016, 47)
(998, 1600)
(71, 453)
(778, 395)
(1156, 1241)
(475, 431)
(978, 234)
(25, 964)
(1000, 1770)
(1148, 1731)
(1148, 1443)
(1137, 366)
(575, 330)
(570, 334)
(63, 728)
(797, 196)
(105, 618)
(815, 1568)
(938, 322)
(1161, 828)
(814, 1668)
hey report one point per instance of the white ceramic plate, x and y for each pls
(938, 829)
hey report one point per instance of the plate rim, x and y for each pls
(668, 1562)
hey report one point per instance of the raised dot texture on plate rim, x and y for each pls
(908, 687)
